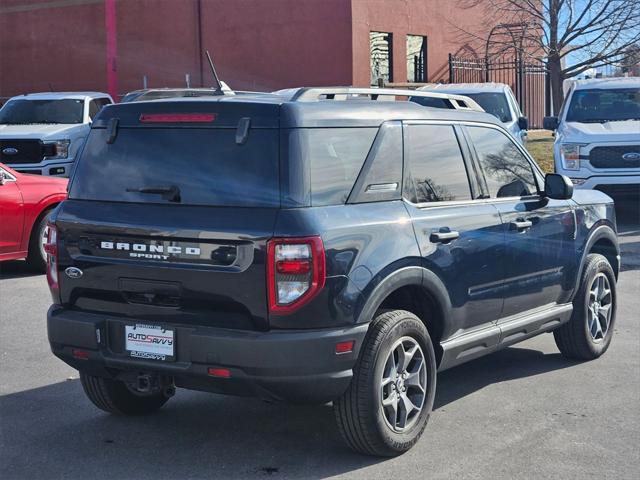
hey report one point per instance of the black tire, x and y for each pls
(114, 396)
(574, 339)
(359, 412)
(36, 258)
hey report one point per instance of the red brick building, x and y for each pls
(112, 45)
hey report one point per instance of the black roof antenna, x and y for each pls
(218, 84)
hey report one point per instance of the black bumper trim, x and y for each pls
(292, 365)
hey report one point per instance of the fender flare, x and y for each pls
(600, 232)
(407, 276)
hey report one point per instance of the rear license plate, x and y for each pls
(149, 342)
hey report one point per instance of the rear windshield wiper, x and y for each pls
(168, 192)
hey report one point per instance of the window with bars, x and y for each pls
(416, 59)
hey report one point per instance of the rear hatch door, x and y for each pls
(169, 211)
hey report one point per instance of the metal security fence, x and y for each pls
(527, 79)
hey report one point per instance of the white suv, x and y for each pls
(43, 132)
(495, 98)
(597, 141)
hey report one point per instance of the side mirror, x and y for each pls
(523, 123)
(550, 123)
(3, 179)
(558, 187)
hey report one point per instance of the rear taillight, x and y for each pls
(51, 249)
(295, 272)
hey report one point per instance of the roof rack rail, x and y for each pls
(313, 94)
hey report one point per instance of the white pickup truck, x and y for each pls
(597, 141)
(42, 133)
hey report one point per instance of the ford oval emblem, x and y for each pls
(10, 151)
(631, 157)
(73, 272)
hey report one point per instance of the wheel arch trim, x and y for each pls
(601, 232)
(403, 277)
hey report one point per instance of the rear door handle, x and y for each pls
(521, 225)
(444, 236)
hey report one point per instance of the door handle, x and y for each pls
(444, 236)
(521, 225)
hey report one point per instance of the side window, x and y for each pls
(507, 171)
(514, 103)
(432, 102)
(437, 172)
(96, 105)
(6, 176)
(94, 108)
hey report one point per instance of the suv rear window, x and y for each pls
(206, 165)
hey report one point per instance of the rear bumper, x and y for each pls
(299, 366)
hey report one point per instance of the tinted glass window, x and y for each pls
(94, 108)
(436, 164)
(494, 103)
(19, 112)
(600, 106)
(432, 102)
(205, 165)
(506, 170)
(335, 157)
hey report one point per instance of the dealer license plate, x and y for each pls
(149, 342)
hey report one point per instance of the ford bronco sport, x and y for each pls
(308, 249)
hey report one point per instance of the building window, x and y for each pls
(381, 48)
(416, 59)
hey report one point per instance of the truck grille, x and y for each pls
(14, 152)
(612, 157)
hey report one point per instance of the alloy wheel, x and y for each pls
(404, 384)
(599, 307)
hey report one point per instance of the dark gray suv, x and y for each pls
(320, 245)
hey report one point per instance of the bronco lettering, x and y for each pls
(158, 249)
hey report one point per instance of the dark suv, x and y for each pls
(311, 249)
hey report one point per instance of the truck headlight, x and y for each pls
(570, 155)
(56, 149)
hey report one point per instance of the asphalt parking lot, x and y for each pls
(524, 412)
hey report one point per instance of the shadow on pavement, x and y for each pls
(199, 435)
(504, 365)
(16, 269)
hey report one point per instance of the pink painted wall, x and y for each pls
(444, 22)
(61, 47)
(256, 44)
(263, 45)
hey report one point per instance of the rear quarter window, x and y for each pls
(334, 157)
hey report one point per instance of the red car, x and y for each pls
(25, 204)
